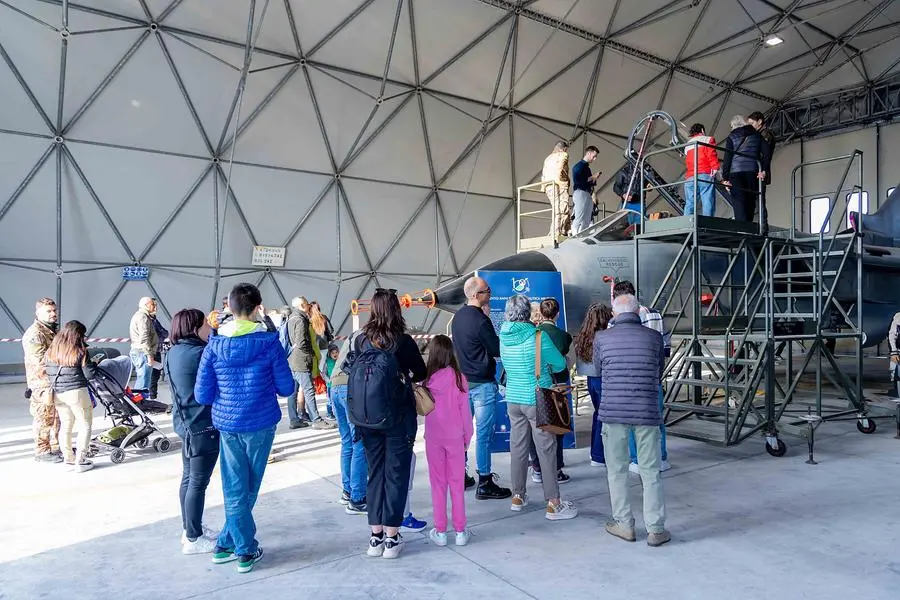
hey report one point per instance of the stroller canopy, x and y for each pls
(119, 369)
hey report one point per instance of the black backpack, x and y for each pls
(375, 388)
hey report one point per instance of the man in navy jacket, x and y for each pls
(629, 358)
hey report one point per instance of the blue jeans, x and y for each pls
(354, 469)
(142, 370)
(632, 447)
(593, 386)
(634, 217)
(242, 462)
(706, 194)
(304, 385)
(483, 402)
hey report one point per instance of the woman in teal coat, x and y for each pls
(518, 345)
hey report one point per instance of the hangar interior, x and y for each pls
(380, 144)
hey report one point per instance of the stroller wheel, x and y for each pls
(142, 443)
(117, 455)
(162, 445)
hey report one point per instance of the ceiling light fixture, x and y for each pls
(773, 40)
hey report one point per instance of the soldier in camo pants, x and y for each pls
(35, 341)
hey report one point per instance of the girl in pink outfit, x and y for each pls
(448, 431)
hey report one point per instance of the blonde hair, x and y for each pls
(316, 318)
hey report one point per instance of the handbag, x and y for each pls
(552, 412)
(196, 443)
(424, 400)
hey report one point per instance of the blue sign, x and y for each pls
(538, 286)
(135, 273)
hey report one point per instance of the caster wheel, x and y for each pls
(117, 456)
(866, 426)
(162, 445)
(142, 443)
(778, 451)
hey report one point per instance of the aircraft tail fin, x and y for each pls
(882, 228)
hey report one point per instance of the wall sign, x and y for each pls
(135, 273)
(268, 256)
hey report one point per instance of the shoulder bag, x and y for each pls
(424, 400)
(197, 443)
(551, 404)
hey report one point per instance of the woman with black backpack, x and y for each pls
(385, 361)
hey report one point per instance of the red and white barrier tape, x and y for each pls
(128, 340)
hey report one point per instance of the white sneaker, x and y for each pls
(560, 512)
(207, 533)
(664, 466)
(438, 537)
(202, 545)
(518, 502)
(536, 476)
(634, 468)
(392, 546)
(376, 546)
(594, 463)
(462, 537)
(84, 465)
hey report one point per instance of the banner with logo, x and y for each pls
(538, 286)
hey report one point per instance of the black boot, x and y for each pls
(470, 482)
(488, 490)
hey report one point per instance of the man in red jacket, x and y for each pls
(706, 162)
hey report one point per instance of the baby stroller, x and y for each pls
(131, 424)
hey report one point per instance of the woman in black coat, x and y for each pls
(193, 424)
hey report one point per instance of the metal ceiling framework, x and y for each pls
(606, 64)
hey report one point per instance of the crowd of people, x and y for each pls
(227, 370)
(745, 170)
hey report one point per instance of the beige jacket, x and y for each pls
(556, 168)
(36, 341)
(143, 334)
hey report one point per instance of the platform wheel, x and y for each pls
(866, 425)
(162, 445)
(777, 451)
(117, 455)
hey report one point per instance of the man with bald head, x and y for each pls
(144, 343)
(477, 345)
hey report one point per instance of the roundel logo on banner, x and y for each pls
(520, 286)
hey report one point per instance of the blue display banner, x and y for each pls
(538, 286)
(135, 273)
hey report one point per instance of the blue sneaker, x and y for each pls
(410, 523)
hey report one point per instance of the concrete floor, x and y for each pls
(744, 525)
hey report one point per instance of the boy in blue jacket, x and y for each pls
(242, 371)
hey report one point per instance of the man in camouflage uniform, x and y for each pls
(36, 340)
(555, 176)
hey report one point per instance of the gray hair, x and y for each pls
(738, 121)
(518, 309)
(626, 303)
(561, 146)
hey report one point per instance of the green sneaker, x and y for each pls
(223, 555)
(245, 563)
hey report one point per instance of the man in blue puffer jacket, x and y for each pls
(242, 371)
(630, 358)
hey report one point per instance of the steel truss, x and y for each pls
(735, 297)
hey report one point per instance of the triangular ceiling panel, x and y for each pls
(346, 101)
(452, 125)
(34, 49)
(794, 53)
(314, 287)
(286, 133)
(502, 242)
(724, 20)
(542, 51)
(622, 118)
(381, 211)
(313, 23)
(213, 94)
(143, 108)
(628, 74)
(126, 8)
(592, 16)
(228, 20)
(468, 220)
(563, 99)
(315, 244)
(834, 77)
(237, 245)
(415, 252)
(90, 58)
(474, 75)
(403, 58)
(663, 36)
(86, 235)
(288, 195)
(156, 182)
(171, 248)
(730, 58)
(182, 289)
(103, 284)
(397, 153)
(18, 113)
(35, 208)
(881, 61)
(444, 28)
(369, 34)
(488, 170)
(684, 95)
(353, 255)
(534, 141)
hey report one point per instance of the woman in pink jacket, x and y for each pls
(448, 431)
